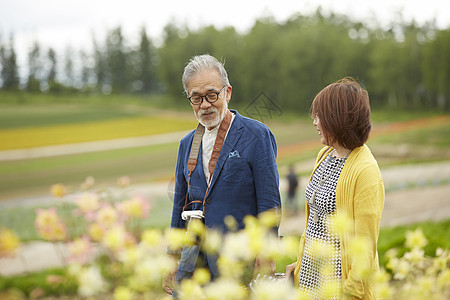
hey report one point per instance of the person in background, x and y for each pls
(346, 180)
(226, 167)
(292, 180)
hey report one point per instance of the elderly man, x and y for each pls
(226, 167)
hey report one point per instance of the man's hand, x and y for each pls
(290, 270)
(168, 282)
(264, 267)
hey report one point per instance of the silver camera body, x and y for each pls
(189, 214)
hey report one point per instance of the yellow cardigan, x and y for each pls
(360, 193)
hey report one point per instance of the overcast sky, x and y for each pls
(59, 23)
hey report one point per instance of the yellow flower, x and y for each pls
(229, 267)
(191, 290)
(402, 270)
(58, 190)
(9, 242)
(425, 285)
(340, 223)
(115, 238)
(444, 279)
(269, 218)
(136, 207)
(130, 256)
(201, 276)
(321, 249)
(383, 291)
(88, 183)
(289, 244)
(107, 216)
(381, 277)
(90, 282)
(123, 181)
(231, 223)
(416, 256)
(95, 232)
(176, 238)
(123, 293)
(80, 248)
(88, 202)
(237, 246)
(225, 289)
(151, 237)
(212, 242)
(415, 239)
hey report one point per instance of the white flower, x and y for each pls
(90, 282)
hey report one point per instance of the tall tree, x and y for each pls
(9, 69)
(146, 64)
(35, 68)
(117, 60)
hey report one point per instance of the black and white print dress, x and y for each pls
(320, 270)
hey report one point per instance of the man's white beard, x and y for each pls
(218, 117)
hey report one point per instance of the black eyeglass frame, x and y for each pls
(206, 96)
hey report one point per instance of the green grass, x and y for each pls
(35, 176)
(22, 286)
(437, 234)
(45, 115)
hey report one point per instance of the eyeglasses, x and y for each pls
(211, 97)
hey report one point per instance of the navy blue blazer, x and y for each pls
(245, 179)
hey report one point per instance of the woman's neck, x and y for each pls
(340, 151)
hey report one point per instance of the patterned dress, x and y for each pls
(320, 271)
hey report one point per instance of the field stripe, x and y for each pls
(95, 146)
(30, 137)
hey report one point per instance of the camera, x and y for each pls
(189, 214)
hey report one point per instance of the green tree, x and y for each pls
(436, 70)
(35, 68)
(9, 70)
(116, 54)
(146, 62)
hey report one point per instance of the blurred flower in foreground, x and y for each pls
(90, 282)
(415, 239)
(107, 216)
(9, 242)
(58, 190)
(123, 181)
(136, 207)
(123, 293)
(88, 204)
(80, 250)
(49, 225)
(88, 183)
(224, 289)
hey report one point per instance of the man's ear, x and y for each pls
(229, 88)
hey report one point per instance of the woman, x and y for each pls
(345, 181)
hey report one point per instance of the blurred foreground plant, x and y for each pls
(118, 258)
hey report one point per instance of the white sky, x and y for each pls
(60, 23)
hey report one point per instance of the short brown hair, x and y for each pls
(344, 112)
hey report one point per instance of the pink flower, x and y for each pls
(80, 250)
(49, 225)
(137, 207)
(88, 204)
(106, 216)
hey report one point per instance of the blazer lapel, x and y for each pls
(232, 138)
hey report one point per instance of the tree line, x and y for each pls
(404, 66)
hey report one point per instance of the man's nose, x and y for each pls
(205, 104)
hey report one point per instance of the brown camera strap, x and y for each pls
(195, 149)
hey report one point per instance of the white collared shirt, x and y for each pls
(209, 138)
